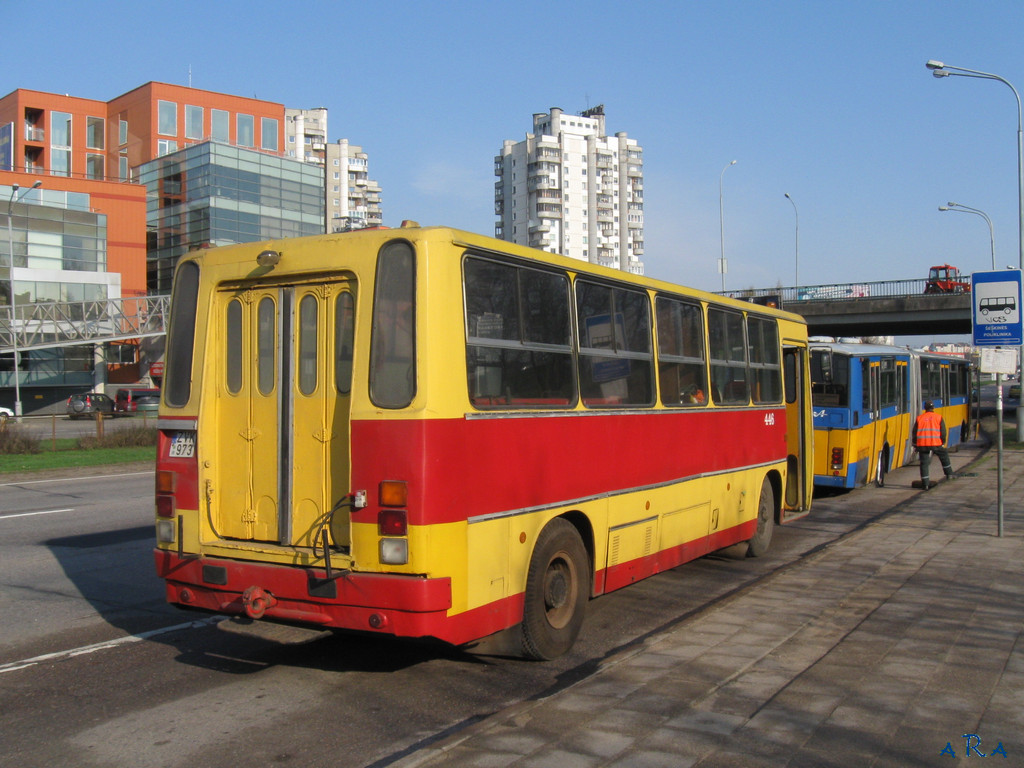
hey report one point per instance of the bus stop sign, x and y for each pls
(996, 308)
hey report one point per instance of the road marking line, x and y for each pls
(41, 512)
(13, 666)
(76, 479)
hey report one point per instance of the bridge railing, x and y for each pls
(835, 292)
(65, 323)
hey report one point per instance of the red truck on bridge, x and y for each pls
(946, 278)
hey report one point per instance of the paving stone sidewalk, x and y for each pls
(882, 649)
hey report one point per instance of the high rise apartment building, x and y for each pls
(353, 199)
(570, 188)
(305, 134)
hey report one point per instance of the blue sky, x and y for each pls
(828, 101)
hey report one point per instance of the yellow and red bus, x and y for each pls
(429, 433)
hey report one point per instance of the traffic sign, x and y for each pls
(996, 308)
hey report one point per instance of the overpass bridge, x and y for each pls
(63, 324)
(883, 308)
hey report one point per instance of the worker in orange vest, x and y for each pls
(929, 437)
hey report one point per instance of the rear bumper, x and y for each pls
(405, 606)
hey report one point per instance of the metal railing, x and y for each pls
(880, 289)
(66, 323)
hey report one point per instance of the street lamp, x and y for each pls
(976, 212)
(723, 266)
(10, 256)
(797, 214)
(942, 70)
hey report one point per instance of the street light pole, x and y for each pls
(10, 256)
(722, 267)
(940, 69)
(977, 212)
(796, 276)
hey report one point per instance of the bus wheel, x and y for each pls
(883, 462)
(758, 544)
(556, 591)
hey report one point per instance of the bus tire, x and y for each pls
(760, 541)
(883, 462)
(556, 591)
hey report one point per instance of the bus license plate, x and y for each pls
(183, 445)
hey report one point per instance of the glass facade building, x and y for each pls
(56, 236)
(219, 194)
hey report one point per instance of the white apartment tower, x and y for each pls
(351, 199)
(569, 188)
(305, 134)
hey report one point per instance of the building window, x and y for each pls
(122, 168)
(220, 125)
(167, 118)
(122, 131)
(60, 129)
(94, 132)
(268, 138)
(94, 166)
(60, 162)
(245, 130)
(166, 146)
(193, 122)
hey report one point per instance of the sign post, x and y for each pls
(996, 322)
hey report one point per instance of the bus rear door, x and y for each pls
(283, 413)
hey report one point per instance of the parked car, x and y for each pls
(5, 414)
(89, 404)
(132, 399)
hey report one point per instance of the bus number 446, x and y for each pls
(769, 419)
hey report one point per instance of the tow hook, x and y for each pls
(256, 601)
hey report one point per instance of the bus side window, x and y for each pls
(728, 357)
(682, 372)
(765, 369)
(518, 336)
(616, 360)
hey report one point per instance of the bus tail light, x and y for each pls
(165, 482)
(394, 493)
(392, 522)
(837, 458)
(394, 551)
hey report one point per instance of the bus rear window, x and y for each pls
(181, 336)
(393, 336)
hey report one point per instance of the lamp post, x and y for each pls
(977, 212)
(722, 264)
(939, 69)
(796, 276)
(10, 255)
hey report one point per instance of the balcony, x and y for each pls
(542, 182)
(34, 134)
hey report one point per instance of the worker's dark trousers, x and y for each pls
(926, 460)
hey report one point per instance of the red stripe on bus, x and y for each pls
(462, 468)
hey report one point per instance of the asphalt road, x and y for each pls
(95, 670)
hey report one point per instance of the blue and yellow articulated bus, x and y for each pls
(866, 398)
